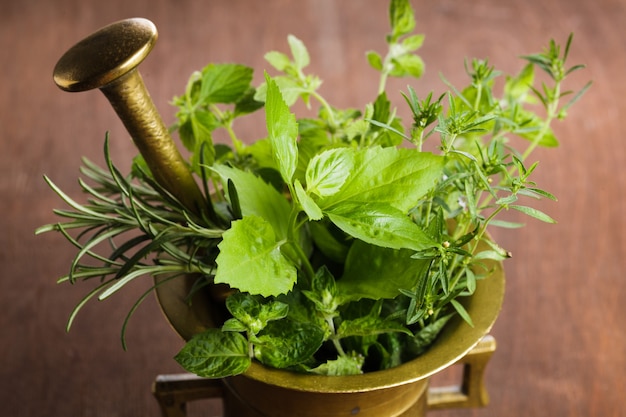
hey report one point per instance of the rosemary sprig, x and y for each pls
(129, 228)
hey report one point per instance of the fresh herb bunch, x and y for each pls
(346, 250)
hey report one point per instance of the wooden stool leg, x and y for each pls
(173, 392)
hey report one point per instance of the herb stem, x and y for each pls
(326, 105)
(333, 335)
(293, 241)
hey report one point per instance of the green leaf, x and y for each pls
(407, 65)
(215, 354)
(327, 171)
(258, 198)
(504, 201)
(325, 235)
(343, 365)
(224, 83)
(413, 42)
(289, 88)
(250, 259)
(306, 202)
(380, 224)
(253, 312)
(278, 60)
(517, 88)
(370, 326)
(506, 224)
(247, 104)
(375, 272)
(536, 192)
(234, 325)
(398, 177)
(548, 138)
(299, 52)
(287, 343)
(497, 252)
(401, 18)
(375, 60)
(533, 212)
(323, 292)
(531, 127)
(427, 335)
(282, 129)
(462, 312)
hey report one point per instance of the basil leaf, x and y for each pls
(399, 177)
(250, 259)
(282, 129)
(306, 202)
(215, 354)
(328, 170)
(381, 225)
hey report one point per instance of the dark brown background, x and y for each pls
(561, 338)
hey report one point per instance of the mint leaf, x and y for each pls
(250, 259)
(375, 60)
(215, 354)
(254, 313)
(401, 18)
(278, 60)
(343, 365)
(286, 343)
(323, 293)
(289, 88)
(407, 64)
(299, 52)
(224, 83)
(375, 272)
(413, 42)
(282, 129)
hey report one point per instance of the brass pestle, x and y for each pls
(108, 60)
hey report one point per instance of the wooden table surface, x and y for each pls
(561, 335)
